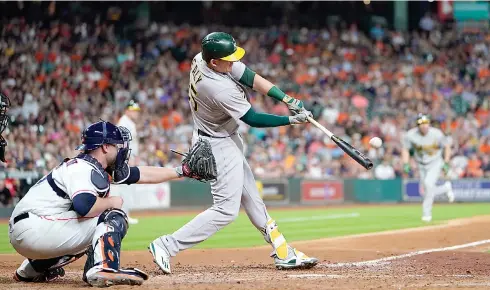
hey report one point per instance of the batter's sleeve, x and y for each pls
(233, 102)
(237, 70)
(82, 178)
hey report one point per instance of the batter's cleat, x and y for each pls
(427, 219)
(161, 257)
(105, 277)
(294, 260)
(449, 193)
(47, 276)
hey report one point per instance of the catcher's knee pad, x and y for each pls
(106, 244)
(115, 218)
(43, 265)
(276, 239)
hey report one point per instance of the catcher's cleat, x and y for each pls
(47, 276)
(160, 257)
(294, 260)
(105, 277)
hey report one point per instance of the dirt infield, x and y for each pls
(458, 268)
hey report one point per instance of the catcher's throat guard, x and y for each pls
(199, 163)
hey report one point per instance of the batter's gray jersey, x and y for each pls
(427, 148)
(217, 99)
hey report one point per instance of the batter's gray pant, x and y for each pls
(235, 186)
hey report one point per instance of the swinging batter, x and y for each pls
(218, 100)
(427, 143)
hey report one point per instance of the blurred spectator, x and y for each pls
(384, 170)
(63, 74)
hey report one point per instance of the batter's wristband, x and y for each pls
(276, 93)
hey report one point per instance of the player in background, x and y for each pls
(128, 120)
(218, 101)
(4, 119)
(428, 144)
(70, 212)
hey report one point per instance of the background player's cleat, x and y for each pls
(160, 256)
(449, 193)
(47, 276)
(427, 218)
(294, 260)
(105, 277)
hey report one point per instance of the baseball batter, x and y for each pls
(69, 213)
(428, 144)
(218, 100)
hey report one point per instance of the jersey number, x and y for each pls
(192, 96)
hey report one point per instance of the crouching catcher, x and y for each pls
(69, 213)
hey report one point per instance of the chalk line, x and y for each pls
(321, 217)
(384, 260)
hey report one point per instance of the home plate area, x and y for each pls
(449, 256)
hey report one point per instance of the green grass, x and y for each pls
(241, 233)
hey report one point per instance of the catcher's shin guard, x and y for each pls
(102, 268)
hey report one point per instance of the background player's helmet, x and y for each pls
(220, 45)
(423, 119)
(133, 106)
(104, 132)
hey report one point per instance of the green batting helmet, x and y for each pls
(220, 45)
(423, 119)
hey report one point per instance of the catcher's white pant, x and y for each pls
(234, 186)
(429, 174)
(52, 236)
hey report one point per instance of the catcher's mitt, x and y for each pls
(199, 162)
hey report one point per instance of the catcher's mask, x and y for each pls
(104, 132)
(4, 119)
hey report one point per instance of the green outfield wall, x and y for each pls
(294, 191)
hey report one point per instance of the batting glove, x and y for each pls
(300, 118)
(445, 167)
(406, 168)
(294, 105)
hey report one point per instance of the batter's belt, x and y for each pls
(202, 133)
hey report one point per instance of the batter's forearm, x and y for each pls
(262, 120)
(154, 174)
(262, 85)
(405, 156)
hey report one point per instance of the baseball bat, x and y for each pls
(346, 147)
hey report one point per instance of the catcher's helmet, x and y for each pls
(104, 132)
(220, 45)
(423, 119)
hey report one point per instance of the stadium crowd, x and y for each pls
(60, 77)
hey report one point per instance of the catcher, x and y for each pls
(69, 212)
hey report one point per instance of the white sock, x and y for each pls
(26, 270)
